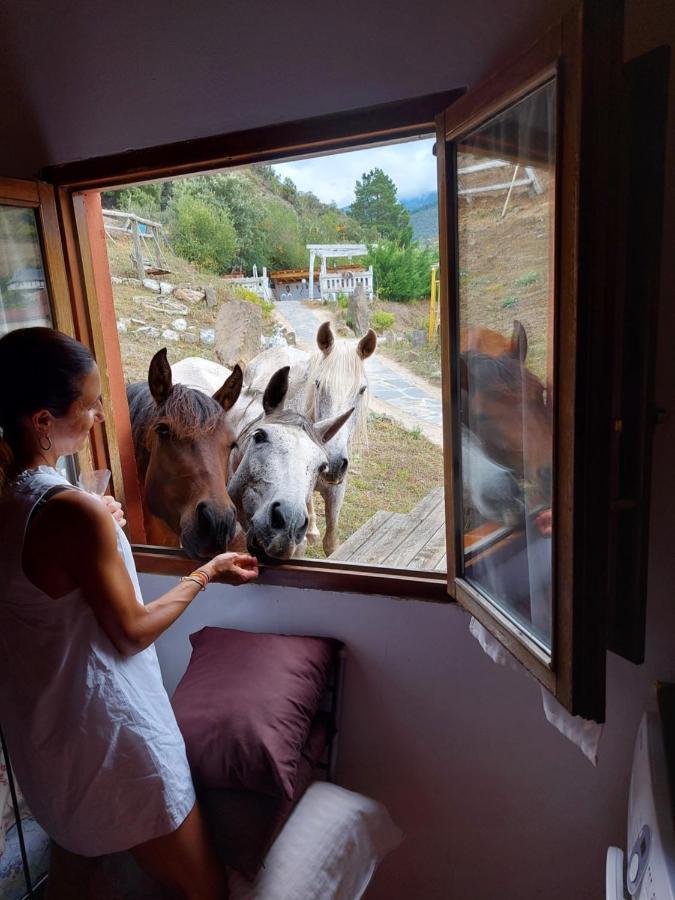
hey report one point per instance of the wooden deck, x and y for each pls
(414, 540)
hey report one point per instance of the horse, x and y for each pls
(274, 468)
(182, 442)
(323, 385)
(488, 488)
(505, 405)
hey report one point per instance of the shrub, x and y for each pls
(401, 272)
(527, 279)
(342, 301)
(204, 235)
(381, 320)
(242, 293)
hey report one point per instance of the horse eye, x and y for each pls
(234, 445)
(163, 430)
(363, 389)
(259, 436)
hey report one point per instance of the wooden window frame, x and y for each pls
(582, 54)
(78, 188)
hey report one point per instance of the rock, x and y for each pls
(138, 321)
(114, 279)
(148, 330)
(357, 311)
(179, 324)
(170, 335)
(138, 298)
(188, 337)
(210, 296)
(121, 326)
(151, 284)
(187, 295)
(166, 288)
(238, 330)
(418, 337)
(207, 335)
(290, 336)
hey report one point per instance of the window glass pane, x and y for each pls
(506, 187)
(24, 300)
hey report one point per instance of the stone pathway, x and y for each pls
(388, 382)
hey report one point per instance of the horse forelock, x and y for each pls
(342, 373)
(502, 374)
(287, 417)
(189, 413)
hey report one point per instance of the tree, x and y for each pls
(401, 273)
(375, 206)
(204, 235)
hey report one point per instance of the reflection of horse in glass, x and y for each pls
(504, 404)
(182, 442)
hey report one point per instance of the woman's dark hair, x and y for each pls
(40, 368)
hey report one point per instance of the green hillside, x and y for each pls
(424, 223)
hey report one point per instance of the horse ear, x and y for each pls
(518, 341)
(367, 344)
(325, 338)
(228, 394)
(159, 376)
(328, 428)
(276, 390)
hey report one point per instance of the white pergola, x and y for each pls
(328, 251)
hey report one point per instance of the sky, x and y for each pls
(411, 166)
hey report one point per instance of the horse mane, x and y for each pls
(288, 417)
(342, 372)
(188, 412)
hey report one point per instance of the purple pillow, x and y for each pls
(243, 824)
(245, 706)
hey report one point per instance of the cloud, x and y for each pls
(410, 165)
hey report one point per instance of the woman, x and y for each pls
(89, 726)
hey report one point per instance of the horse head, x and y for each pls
(183, 443)
(336, 380)
(274, 470)
(505, 405)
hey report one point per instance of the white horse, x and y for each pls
(321, 386)
(487, 487)
(274, 466)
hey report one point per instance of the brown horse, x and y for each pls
(182, 442)
(505, 405)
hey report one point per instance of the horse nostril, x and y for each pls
(343, 466)
(204, 514)
(277, 519)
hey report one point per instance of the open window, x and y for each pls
(528, 194)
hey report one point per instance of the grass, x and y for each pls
(399, 469)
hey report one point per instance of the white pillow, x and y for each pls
(327, 850)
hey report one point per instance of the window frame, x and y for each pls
(78, 188)
(583, 53)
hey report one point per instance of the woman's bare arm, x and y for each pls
(85, 541)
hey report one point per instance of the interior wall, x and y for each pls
(80, 80)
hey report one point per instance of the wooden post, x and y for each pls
(138, 251)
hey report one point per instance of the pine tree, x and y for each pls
(375, 206)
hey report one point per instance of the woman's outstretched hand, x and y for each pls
(114, 508)
(232, 568)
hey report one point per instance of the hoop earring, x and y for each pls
(49, 444)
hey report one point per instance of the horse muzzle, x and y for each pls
(208, 530)
(276, 532)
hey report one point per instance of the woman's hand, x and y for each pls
(114, 508)
(232, 568)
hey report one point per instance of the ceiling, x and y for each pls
(81, 79)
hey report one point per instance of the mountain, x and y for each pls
(412, 204)
(424, 221)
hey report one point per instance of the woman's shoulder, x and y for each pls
(72, 514)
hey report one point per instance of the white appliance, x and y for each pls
(648, 870)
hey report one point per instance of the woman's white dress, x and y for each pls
(91, 734)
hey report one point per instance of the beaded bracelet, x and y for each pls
(199, 577)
